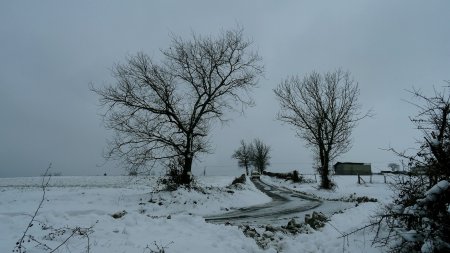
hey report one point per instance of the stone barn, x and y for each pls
(352, 169)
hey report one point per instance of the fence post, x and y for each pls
(384, 178)
(359, 179)
(315, 177)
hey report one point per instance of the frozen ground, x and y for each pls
(169, 219)
(346, 186)
(328, 239)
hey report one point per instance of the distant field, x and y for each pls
(103, 181)
(72, 181)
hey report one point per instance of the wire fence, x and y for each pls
(374, 178)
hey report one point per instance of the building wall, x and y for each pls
(352, 169)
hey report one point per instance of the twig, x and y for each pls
(39, 243)
(159, 249)
(329, 223)
(67, 239)
(83, 232)
(44, 184)
(357, 230)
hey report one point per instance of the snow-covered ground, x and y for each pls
(346, 186)
(172, 219)
(329, 238)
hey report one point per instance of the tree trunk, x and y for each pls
(325, 177)
(186, 176)
(325, 182)
(246, 170)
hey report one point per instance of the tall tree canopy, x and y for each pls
(323, 109)
(163, 111)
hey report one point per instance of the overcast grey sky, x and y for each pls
(51, 50)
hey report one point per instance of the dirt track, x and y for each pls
(284, 203)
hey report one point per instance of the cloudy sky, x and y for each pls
(50, 51)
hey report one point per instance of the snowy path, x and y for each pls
(285, 204)
(84, 201)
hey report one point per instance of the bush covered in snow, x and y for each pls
(419, 218)
(417, 222)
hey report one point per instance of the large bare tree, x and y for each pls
(323, 109)
(162, 111)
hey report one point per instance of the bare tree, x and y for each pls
(162, 112)
(323, 109)
(244, 155)
(394, 166)
(260, 155)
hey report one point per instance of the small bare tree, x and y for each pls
(244, 156)
(162, 112)
(323, 109)
(394, 166)
(260, 155)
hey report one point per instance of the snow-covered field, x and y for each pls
(162, 219)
